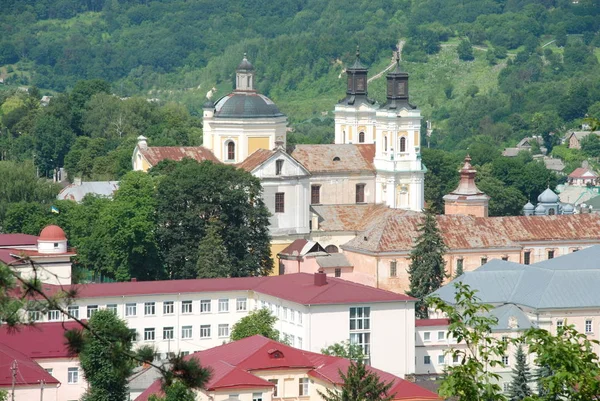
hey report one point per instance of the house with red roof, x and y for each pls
(260, 369)
(48, 251)
(313, 311)
(582, 177)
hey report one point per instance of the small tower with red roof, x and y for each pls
(52, 239)
(467, 199)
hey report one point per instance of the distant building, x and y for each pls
(583, 177)
(78, 190)
(574, 138)
(548, 205)
(525, 144)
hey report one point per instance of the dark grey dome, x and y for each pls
(208, 104)
(246, 105)
(245, 65)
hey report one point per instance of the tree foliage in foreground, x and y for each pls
(260, 321)
(344, 349)
(359, 384)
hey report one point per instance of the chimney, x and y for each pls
(320, 278)
(133, 279)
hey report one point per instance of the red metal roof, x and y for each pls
(580, 172)
(43, 340)
(298, 287)
(155, 154)
(431, 322)
(28, 371)
(8, 240)
(233, 364)
(52, 233)
(336, 158)
(256, 159)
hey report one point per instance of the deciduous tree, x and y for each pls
(359, 384)
(344, 349)
(260, 321)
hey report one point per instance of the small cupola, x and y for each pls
(142, 142)
(52, 239)
(357, 77)
(397, 88)
(244, 76)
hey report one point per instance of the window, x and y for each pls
(223, 305)
(91, 309)
(49, 371)
(133, 334)
(427, 336)
(460, 264)
(441, 335)
(363, 340)
(278, 167)
(315, 194)
(361, 137)
(186, 331)
(303, 387)
(427, 360)
(393, 268)
(332, 249)
(277, 309)
(455, 358)
(53, 315)
(168, 333)
(483, 261)
(360, 318)
(55, 245)
(300, 318)
(559, 323)
(338, 272)
(168, 307)
(385, 143)
(230, 150)
(186, 307)
(205, 306)
(34, 315)
(223, 330)
(300, 342)
(506, 387)
(360, 193)
(149, 334)
(588, 326)
(292, 339)
(505, 360)
(130, 309)
(240, 304)
(403, 144)
(527, 257)
(149, 308)
(504, 258)
(550, 254)
(276, 388)
(279, 202)
(285, 313)
(292, 315)
(73, 311)
(257, 397)
(73, 375)
(441, 359)
(112, 308)
(205, 331)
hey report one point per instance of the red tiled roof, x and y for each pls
(431, 322)
(9, 240)
(324, 158)
(350, 217)
(233, 363)
(256, 159)
(155, 154)
(580, 172)
(28, 373)
(298, 287)
(43, 340)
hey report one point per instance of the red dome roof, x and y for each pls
(52, 233)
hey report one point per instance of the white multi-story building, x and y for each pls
(313, 311)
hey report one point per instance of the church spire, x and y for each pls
(244, 76)
(397, 87)
(357, 77)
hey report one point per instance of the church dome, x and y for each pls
(245, 64)
(529, 206)
(540, 209)
(568, 209)
(548, 196)
(52, 233)
(246, 105)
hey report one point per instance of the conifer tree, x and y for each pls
(213, 259)
(519, 388)
(360, 384)
(427, 269)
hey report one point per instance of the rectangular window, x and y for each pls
(550, 254)
(130, 309)
(49, 371)
(91, 309)
(559, 323)
(505, 258)
(149, 308)
(285, 313)
(240, 304)
(186, 307)
(303, 387)
(168, 333)
(360, 193)
(527, 257)
(337, 272)
(168, 308)
(133, 334)
(506, 387)
(441, 359)
(588, 326)
(460, 264)
(205, 331)
(441, 335)
(280, 202)
(292, 315)
(300, 318)
(360, 318)
(427, 360)
(34, 315)
(73, 375)
(278, 167)
(363, 340)
(223, 305)
(483, 261)
(112, 308)
(223, 330)
(505, 360)
(205, 306)
(393, 268)
(53, 315)
(149, 334)
(300, 342)
(73, 311)
(186, 332)
(455, 358)
(292, 340)
(315, 194)
(427, 336)
(257, 396)
(276, 388)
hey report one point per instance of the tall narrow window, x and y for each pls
(483, 261)
(385, 143)
(402, 144)
(337, 272)
(393, 268)
(527, 257)
(279, 202)
(278, 167)
(361, 137)
(231, 150)
(315, 194)
(360, 193)
(459, 264)
(550, 254)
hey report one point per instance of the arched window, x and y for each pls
(331, 249)
(402, 144)
(385, 143)
(551, 211)
(230, 150)
(361, 137)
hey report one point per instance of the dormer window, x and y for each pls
(278, 167)
(336, 159)
(56, 245)
(275, 354)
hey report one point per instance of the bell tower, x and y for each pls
(467, 198)
(244, 76)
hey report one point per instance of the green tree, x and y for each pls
(519, 387)
(590, 145)
(260, 321)
(53, 139)
(427, 269)
(105, 369)
(213, 259)
(465, 50)
(359, 384)
(344, 349)
(175, 392)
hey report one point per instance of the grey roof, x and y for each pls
(246, 105)
(505, 315)
(76, 192)
(333, 260)
(510, 152)
(569, 281)
(143, 377)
